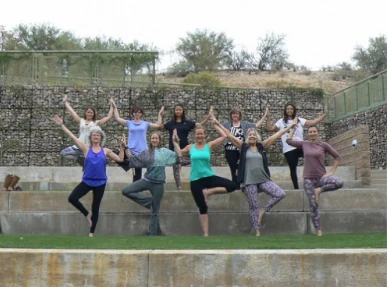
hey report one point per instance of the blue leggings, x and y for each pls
(326, 184)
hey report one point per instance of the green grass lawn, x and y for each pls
(329, 241)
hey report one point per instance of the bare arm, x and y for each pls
(123, 144)
(83, 147)
(186, 150)
(111, 155)
(270, 126)
(159, 123)
(317, 120)
(175, 142)
(235, 141)
(204, 121)
(75, 116)
(107, 118)
(261, 121)
(218, 141)
(269, 141)
(121, 121)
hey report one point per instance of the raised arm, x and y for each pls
(204, 121)
(121, 121)
(83, 147)
(261, 121)
(269, 141)
(123, 144)
(270, 126)
(111, 155)
(235, 141)
(218, 141)
(175, 142)
(75, 116)
(159, 123)
(107, 118)
(289, 140)
(317, 120)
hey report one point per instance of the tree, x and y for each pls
(374, 58)
(40, 37)
(205, 50)
(239, 60)
(271, 52)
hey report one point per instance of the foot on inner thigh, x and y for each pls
(317, 194)
(261, 215)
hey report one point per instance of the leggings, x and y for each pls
(198, 185)
(326, 184)
(81, 190)
(72, 152)
(176, 171)
(270, 188)
(137, 174)
(133, 191)
(292, 158)
(232, 157)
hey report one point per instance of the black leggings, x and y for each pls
(81, 190)
(198, 185)
(137, 174)
(292, 158)
(232, 157)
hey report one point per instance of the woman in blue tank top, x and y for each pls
(203, 180)
(94, 177)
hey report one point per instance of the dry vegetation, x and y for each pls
(275, 80)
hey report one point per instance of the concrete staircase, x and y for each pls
(42, 208)
(379, 179)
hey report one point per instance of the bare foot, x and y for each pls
(257, 232)
(91, 234)
(89, 218)
(205, 235)
(319, 232)
(205, 195)
(261, 215)
(317, 194)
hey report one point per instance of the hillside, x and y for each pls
(330, 82)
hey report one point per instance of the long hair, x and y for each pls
(285, 117)
(258, 137)
(94, 114)
(97, 129)
(150, 147)
(183, 117)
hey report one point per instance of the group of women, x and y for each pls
(245, 153)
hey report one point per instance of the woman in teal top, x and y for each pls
(203, 180)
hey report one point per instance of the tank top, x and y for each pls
(95, 168)
(84, 130)
(200, 162)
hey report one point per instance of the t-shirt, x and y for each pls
(238, 133)
(298, 133)
(254, 169)
(182, 128)
(156, 173)
(314, 157)
(137, 136)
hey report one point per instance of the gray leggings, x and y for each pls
(133, 191)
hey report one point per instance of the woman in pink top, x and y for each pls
(316, 179)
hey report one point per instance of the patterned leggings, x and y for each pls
(326, 184)
(251, 192)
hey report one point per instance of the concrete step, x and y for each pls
(182, 201)
(379, 181)
(187, 223)
(117, 174)
(112, 186)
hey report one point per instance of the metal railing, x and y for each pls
(73, 67)
(364, 95)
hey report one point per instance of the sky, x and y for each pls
(318, 33)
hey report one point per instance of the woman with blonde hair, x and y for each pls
(253, 172)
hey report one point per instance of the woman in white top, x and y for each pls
(85, 124)
(292, 154)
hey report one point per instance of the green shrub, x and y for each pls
(203, 79)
